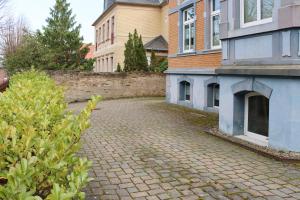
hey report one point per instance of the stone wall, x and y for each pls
(80, 86)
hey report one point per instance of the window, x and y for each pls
(189, 30)
(185, 91)
(112, 64)
(254, 12)
(100, 39)
(103, 65)
(112, 30)
(103, 34)
(256, 116)
(96, 42)
(213, 95)
(215, 24)
(216, 95)
(107, 65)
(108, 36)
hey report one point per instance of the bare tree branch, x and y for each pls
(11, 35)
(3, 4)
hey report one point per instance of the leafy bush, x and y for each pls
(29, 53)
(158, 64)
(163, 66)
(39, 140)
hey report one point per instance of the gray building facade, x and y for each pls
(255, 89)
(260, 73)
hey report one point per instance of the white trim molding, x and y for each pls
(259, 17)
(255, 136)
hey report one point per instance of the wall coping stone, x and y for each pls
(263, 70)
(191, 71)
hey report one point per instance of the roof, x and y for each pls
(146, 2)
(157, 44)
(157, 3)
(90, 54)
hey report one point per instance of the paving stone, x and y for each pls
(142, 187)
(139, 194)
(152, 150)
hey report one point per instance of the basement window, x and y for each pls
(185, 91)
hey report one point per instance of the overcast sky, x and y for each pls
(36, 12)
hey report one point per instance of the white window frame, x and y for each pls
(246, 132)
(189, 22)
(212, 15)
(259, 20)
(185, 91)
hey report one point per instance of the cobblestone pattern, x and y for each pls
(146, 149)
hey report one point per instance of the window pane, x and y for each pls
(192, 36)
(216, 95)
(258, 115)
(216, 5)
(250, 11)
(190, 14)
(216, 30)
(186, 37)
(187, 91)
(185, 16)
(266, 8)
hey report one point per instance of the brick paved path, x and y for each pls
(145, 149)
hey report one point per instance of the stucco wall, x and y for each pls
(284, 121)
(198, 90)
(81, 86)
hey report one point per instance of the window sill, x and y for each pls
(212, 50)
(263, 143)
(211, 109)
(192, 53)
(185, 103)
(256, 23)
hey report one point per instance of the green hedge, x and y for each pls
(39, 139)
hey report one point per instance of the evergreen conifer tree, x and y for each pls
(119, 68)
(62, 37)
(128, 53)
(153, 62)
(135, 54)
(141, 58)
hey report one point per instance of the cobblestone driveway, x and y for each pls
(145, 149)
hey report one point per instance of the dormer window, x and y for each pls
(255, 12)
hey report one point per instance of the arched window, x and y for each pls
(213, 95)
(185, 91)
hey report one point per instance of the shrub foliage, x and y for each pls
(39, 139)
(158, 64)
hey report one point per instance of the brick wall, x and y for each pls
(80, 86)
(196, 61)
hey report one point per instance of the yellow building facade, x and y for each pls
(117, 21)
